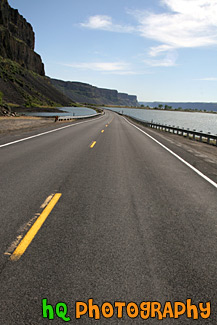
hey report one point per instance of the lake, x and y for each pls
(70, 111)
(205, 122)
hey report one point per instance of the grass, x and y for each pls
(12, 72)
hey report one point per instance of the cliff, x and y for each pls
(17, 39)
(22, 76)
(85, 93)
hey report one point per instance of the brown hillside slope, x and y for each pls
(24, 87)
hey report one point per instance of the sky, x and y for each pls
(158, 50)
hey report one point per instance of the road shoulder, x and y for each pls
(200, 155)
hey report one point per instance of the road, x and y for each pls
(132, 223)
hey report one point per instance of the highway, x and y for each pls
(125, 221)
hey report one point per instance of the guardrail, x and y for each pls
(190, 134)
(73, 117)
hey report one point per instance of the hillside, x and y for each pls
(85, 93)
(22, 76)
(23, 87)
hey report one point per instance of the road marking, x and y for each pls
(92, 144)
(21, 231)
(111, 120)
(177, 156)
(102, 131)
(13, 245)
(46, 201)
(26, 241)
(43, 133)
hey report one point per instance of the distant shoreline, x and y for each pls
(162, 110)
(22, 109)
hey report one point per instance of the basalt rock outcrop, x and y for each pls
(22, 76)
(85, 93)
(17, 39)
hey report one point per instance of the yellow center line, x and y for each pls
(92, 144)
(102, 131)
(26, 241)
(110, 121)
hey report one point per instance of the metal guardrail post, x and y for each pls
(195, 135)
(201, 137)
(68, 118)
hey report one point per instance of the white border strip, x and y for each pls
(178, 157)
(38, 135)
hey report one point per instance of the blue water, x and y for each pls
(70, 111)
(205, 122)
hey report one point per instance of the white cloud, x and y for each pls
(103, 22)
(101, 66)
(127, 73)
(117, 68)
(187, 23)
(157, 50)
(184, 24)
(168, 61)
(98, 22)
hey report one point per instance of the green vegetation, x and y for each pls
(27, 88)
(2, 28)
(1, 97)
(19, 40)
(170, 108)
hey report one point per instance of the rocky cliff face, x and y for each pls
(85, 93)
(21, 86)
(130, 99)
(17, 39)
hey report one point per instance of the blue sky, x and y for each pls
(159, 50)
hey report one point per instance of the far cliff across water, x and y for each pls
(22, 76)
(85, 93)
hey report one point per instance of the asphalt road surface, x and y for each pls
(124, 221)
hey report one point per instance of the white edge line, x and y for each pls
(38, 135)
(178, 157)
